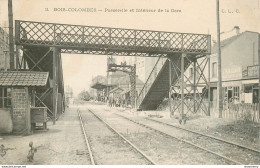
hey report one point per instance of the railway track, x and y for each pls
(208, 136)
(123, 139)
(86, 139)
(243, 154)
(163, 148)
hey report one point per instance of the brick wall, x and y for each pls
(20, 110)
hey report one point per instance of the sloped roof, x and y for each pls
(23, 78)
(225, 42)
(228, 41)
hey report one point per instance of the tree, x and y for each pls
(84, 95)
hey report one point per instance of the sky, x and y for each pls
(196, 16)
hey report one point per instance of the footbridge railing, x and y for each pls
(102, 40)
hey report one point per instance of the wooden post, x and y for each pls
(55, 54)
(220, 97)
(182, 85)
(11, 34)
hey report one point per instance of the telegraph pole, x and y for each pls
(259, 78)
(11, 35)
(220, 97)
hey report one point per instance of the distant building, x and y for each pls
(239, 61)
(4, 46)
(100, 86)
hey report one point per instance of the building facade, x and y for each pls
(239, 63)
(4, 50)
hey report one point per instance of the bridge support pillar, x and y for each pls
(182, 85)
(133, 86)
(194, 85)
(189, 89)
(170, 87)
(55, 81)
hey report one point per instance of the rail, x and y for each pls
(182, 140)
(126, 140)
(86, 140)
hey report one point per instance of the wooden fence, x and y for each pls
(241, 111)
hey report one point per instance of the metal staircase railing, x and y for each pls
(153, 75)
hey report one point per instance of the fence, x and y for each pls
(241, 111)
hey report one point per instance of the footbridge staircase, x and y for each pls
(158, 84)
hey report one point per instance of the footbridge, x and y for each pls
(42, 44)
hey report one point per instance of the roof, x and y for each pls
(228, 41)
(99, 85)
(23, 78)
(100, 79)
(126, 80)
(224, 43)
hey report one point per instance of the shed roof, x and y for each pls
(23, 78)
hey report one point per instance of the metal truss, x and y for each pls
(185, 95)
(88, 39)
(131, 70)
(75, 39)
(40, 101)
(29, 62)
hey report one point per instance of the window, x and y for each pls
(5, 97)
(236, 93)
(214, 69)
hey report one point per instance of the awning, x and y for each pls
(23, 78)
(251, 81)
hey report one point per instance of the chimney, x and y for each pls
(237, 29)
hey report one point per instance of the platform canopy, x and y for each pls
(23, 78)
(99, 85)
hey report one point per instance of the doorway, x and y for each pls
(229, 95)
